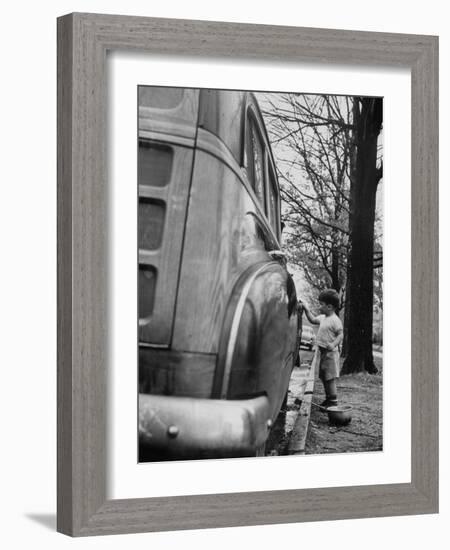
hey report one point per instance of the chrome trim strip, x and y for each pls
(171, 139)
(149, 257)
(155, 193)
(152, 346)
(234, 329)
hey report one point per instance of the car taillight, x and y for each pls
(151, 223)
(155, 164)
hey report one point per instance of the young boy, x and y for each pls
(329, 336)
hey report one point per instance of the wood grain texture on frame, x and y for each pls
(83, 241)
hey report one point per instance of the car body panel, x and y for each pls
(222, 325)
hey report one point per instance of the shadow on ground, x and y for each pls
(46, 520)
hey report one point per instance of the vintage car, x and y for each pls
(218, 328)
(307, 337)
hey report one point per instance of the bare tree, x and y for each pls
(327, 151)
(311, 136)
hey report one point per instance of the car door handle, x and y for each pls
(278, 255)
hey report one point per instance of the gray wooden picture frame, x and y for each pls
(83, 41)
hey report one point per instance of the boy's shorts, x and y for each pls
(329, 366)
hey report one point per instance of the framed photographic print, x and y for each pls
(243, 211)
(216, 359)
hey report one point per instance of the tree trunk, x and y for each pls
(335, 280)
(359, 299)
(346, 308)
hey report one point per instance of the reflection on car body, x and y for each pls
(217, 308)
(307, 337)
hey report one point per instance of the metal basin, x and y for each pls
(340, 415)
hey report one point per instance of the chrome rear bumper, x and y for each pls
(185, 427)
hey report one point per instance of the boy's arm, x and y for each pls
(335, 343)
(310, 317)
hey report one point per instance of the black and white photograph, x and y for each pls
(221, 267)
(260, 273)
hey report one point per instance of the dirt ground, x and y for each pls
(365, 432)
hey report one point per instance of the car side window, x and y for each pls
(273, 202)
(255, 160)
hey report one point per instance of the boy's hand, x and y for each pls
(330, 347)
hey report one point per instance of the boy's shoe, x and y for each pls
(329, 402)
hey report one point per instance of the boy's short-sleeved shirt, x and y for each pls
(329, 328)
